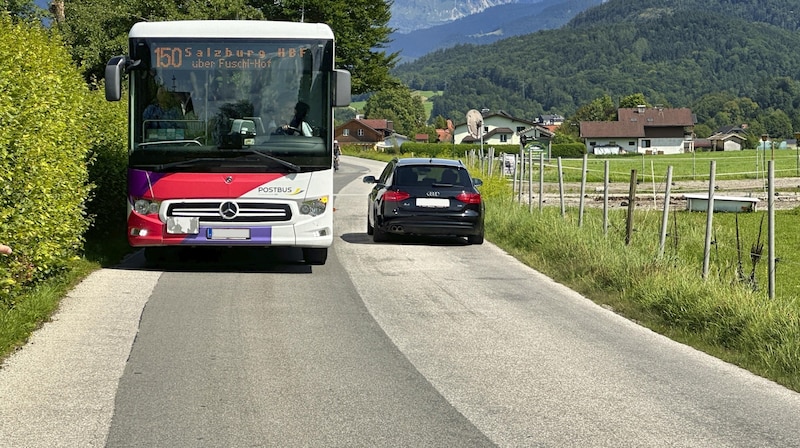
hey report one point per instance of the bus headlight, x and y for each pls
(314, 207)
(146, 206)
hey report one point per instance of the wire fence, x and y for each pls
(737, 191)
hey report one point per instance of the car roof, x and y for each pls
(429, 161)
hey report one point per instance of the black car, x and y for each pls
(416, 196)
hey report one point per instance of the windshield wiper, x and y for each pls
(190, 162)
(285, 163)
(222, 160)
(170, 142)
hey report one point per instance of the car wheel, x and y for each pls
(475, 239)
(315, 255)
(370, 229)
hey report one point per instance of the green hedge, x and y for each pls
(564, 150)
(446, 150)
(44, 143)
(568, 150)
(108, 126)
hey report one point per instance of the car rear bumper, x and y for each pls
(421, 226)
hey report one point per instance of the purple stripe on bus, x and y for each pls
(138, 185)
(259, 235)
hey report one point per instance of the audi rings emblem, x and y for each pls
(228, 210)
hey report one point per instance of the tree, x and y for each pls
(632, 101)
(702, 131)
(342, 115)
(778, 124)
(398, 104)
(563, 134)
(361, 28)
(22, 9)
(600, 109)
(97, 29)
(440, 122)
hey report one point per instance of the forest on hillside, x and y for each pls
(731, 62)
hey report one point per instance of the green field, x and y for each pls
(425, 94)
(746, 164)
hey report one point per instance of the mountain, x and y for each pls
(487, 26)
(409, 15)
(675, 52)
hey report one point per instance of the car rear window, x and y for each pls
(428, 175)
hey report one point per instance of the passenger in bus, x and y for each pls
(167, 107)
(298, 124)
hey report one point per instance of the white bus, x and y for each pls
(214, 156)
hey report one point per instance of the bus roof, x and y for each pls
(237, 29)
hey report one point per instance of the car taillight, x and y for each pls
(395, 196)
(469, 198)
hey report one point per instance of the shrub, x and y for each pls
(107, 172)
(43, 155)
(450, 151)
(568, 150)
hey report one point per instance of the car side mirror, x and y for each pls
(477, 182)
(370, 180)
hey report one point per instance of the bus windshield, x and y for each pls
(196, 104)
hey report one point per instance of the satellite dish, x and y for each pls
(474, 123)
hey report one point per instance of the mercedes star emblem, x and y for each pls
(228, 210)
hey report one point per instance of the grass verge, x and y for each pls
(719, 315)
(38, 304)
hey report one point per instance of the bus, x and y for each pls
(212, 158)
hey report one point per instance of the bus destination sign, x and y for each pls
(221, 58)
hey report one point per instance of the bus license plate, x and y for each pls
(228, 234)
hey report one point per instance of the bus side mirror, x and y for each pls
(114, 78)
(341, 88)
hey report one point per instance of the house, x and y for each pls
(368, 133)
(550, 120)
(702, 144)
(394, 140)
(727, 142)
(421, 138)
(728, 138)
(500, 128)
(641, 130)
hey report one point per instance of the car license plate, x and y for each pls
(228, 234)
(433, 202)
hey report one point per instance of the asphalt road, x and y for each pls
(409, 343)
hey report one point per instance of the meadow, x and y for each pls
(733, 165)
